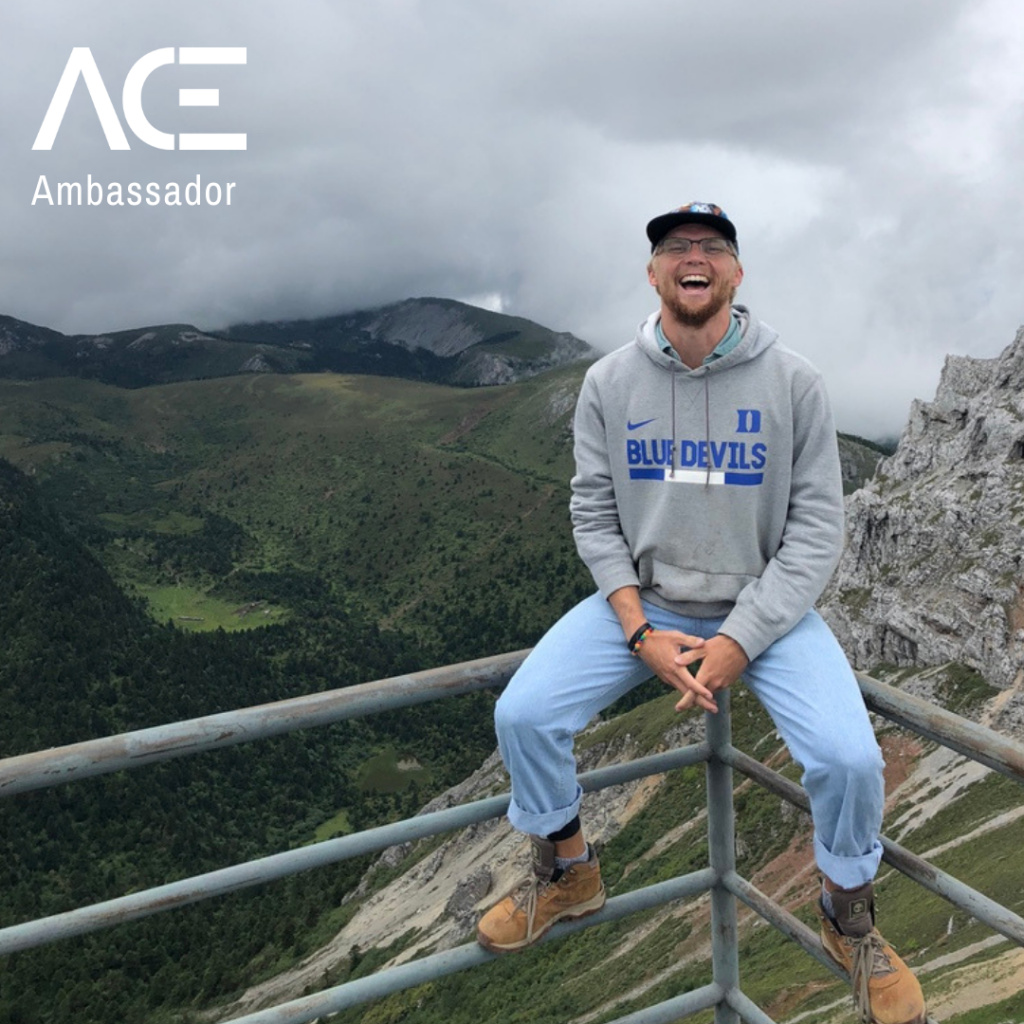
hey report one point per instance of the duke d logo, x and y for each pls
(81, 64)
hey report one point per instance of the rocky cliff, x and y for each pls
(933, 569)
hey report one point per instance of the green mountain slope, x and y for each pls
(370, 525)
(247, 492)
(420, 339)
(413, 501)
(80, 659)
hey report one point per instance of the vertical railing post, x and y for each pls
(722, 849)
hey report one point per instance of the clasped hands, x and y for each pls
(722, 661)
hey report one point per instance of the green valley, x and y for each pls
(191, 547)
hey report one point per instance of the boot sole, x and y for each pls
(592, 906)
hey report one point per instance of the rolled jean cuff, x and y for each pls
(848, 872)
(546, 823)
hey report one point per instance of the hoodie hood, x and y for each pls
(757, 337)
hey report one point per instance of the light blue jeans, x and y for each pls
(803, 680)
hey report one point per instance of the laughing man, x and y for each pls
(707, 503)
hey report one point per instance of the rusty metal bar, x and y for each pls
(986, 746)
(790, 926)
(44, 768)
(418, 972)
(977, 904)
(279, 865)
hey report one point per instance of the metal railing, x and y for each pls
(720, 879)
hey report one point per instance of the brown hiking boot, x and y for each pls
(520, 919)
(884, 988)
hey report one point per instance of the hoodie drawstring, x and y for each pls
(672, 395)
(707, 429)
(707, 424)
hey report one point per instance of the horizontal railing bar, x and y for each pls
(267, 869)
(43, 768)
(986, 910)
(786, 923)
(418, 972)
(978, 905)
(777, 916)
(672, 1010)
(770, 780)
(52, 767)
(988, 747)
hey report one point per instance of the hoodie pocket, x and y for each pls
(691, 585)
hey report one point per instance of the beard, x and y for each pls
(719, 295)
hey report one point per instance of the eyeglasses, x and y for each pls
(681, 246)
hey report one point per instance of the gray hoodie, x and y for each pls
(717, 490)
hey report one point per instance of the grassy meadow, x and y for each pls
(414, 501)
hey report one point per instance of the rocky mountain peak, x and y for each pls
(933, 569)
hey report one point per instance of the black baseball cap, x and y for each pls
(692, 213)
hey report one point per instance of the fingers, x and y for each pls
(685, 640)
(661, 653)
(687, 702)
(684, 658)
(693, 692)
(690, 698)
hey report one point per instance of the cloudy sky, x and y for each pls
(510, 152)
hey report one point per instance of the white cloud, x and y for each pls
(513, 151)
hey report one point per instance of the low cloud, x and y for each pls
(869, 155)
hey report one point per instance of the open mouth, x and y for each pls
(694, 283)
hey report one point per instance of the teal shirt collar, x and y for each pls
(730, 340)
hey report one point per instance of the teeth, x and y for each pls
(695, 279)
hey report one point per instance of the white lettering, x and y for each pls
(81, 63)
(131, 98)
(208, 97)
(45, 194)
(199, 97)
(97, 193)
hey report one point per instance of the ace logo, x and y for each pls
(81, 64)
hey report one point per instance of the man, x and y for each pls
(707, 503)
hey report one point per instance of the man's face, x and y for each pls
(694, 287)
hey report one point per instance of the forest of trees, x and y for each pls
(81, 659)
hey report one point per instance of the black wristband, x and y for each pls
(635, 638)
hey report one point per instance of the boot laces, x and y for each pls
(870, 960)
(526, 900)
